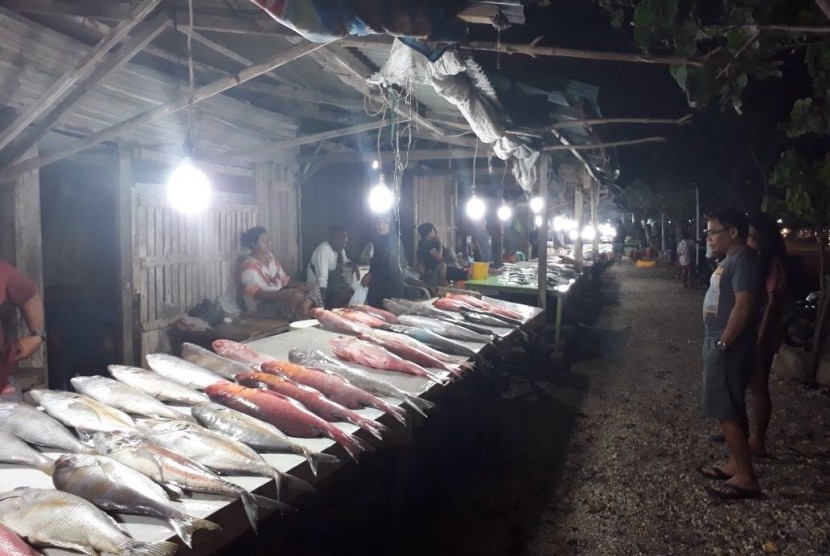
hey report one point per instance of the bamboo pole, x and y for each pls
(603, 121)
(184, 100)
(657, 139)
(85, 66)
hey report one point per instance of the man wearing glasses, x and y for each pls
(728, 348)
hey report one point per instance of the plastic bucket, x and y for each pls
(480, 271)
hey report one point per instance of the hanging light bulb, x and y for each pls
(504, 213)
(375, 165)
(537, 221)
(476, 208)
(537, 204)
(188, 188)
(381, 197)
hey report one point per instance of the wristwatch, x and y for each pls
(40, 333)
(720, 345)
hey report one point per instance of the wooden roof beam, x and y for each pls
(142, 35)
(387, 157)
(212, 89)
(260, 153)
(81, 71)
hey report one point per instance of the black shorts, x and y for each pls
(725, 378)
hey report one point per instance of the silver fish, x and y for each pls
(255, 433)
(444, 328)
(48, 517)
(316, 359)
(159, 387)
(183, 372)
(36, 427)
(113, 486)
(124, 397)
(398, 306)
(177, 472)
(224, 367)
(213, 450)
(82, 412)
(15, 451)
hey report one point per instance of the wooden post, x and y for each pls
(128, 264)
(579, 219)
(595, 218)
(542, 269)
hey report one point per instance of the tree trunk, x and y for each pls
(822, 326)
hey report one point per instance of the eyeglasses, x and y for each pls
(710, 233)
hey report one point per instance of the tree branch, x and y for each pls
(824, 6)
(657, 139)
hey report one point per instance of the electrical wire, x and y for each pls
(188, 141)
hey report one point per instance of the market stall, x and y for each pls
(229, 514)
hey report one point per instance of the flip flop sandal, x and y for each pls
(728, 491)
(714, 473)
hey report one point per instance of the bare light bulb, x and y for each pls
(476, 208)
(504, 213)
(537, 204)
(381, 198)
(188, 188)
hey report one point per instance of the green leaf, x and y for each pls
(644, 15)
(680, 74)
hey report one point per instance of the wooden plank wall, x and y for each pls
(435, 201)
(182, 260)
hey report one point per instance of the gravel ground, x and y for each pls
(596, 460)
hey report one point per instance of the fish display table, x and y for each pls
(229, 512)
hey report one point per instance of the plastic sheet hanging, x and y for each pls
(464, 85)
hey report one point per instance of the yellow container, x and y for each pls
(644, 264)
(480, 271)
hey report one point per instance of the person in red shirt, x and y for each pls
(18, 292)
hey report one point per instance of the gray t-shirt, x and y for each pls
(738, 272)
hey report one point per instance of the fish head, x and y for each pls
(107, 443)
(299, 356)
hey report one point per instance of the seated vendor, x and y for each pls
(331, 270)
(432, 258)
(268, 291)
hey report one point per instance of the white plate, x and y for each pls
(303, 323)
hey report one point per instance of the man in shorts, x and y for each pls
(729, 310)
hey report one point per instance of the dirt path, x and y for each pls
(601, 460)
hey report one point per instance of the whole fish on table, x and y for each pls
(445, 329)
(432, 339)
(489, 307)
(160, 387)
(82, 412)
(478, 317)
(386, 316)
(240, 353)
(335, 387)
(113, 486)
(124, 397)
(312, 399)
(224, 367)
(360, 317)
(336, 323)
(37, 427)
(284, 413)
(398, 306)
(177, 472)
(215, 451)
(413, 350)
(316, 359)
(377, 357)
(12, 545)
(257, 434)
(184, 372)
(49, 517)
(16, 452)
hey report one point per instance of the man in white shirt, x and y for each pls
(330, 269)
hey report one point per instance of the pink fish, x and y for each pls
(284, 413)
(239, 352)
(334, 386)
(336, 323)
(484, 306)
(360, 317)
(377, 357)
(390, 318)
(313, 399)
(412, 350)
(12, 545)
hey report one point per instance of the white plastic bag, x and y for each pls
(359, 296)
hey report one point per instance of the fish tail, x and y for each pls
(269, 504)
(420, 405)
(353, 445)
(299, 486)
(185, 525)
(436, 379)
(162, 548)
(372, 427)
(251, 508)
(396, 412)
(47, 467)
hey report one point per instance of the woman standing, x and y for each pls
(765, 237)
(268, 291)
